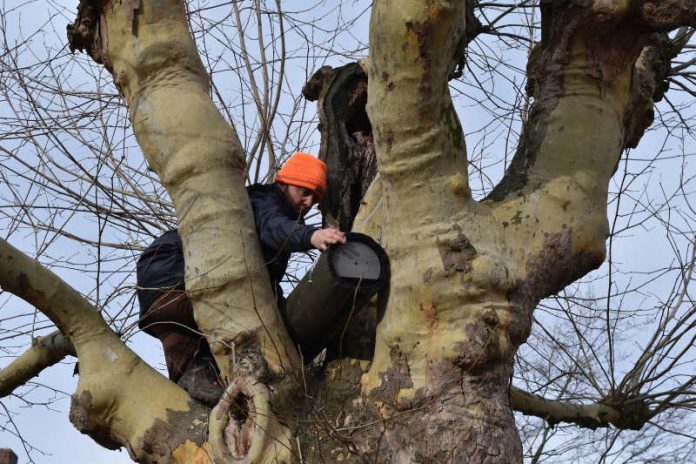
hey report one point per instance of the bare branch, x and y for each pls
(44, 352)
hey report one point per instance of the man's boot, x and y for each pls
(201, 381)
(192, 370)
(189, 361)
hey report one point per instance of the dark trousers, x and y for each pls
(170, 319)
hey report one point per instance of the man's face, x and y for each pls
(300, 198)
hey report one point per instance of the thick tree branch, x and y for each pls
(197, 155)
(416, 130)
(594, 78)
(440, 346)
(602, 414)
(29, 280)
(148, 48)
(44, 352)
(119, 398)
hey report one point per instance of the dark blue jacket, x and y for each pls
(280, 231)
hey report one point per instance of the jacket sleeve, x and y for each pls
(279, 232)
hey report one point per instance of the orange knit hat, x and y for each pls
(304, 170)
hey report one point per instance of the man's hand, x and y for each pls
(323, 238)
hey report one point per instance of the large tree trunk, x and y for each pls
(466, 275)
(444, 349)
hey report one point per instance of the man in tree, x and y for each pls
(166, 312)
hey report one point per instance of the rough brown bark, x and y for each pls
(346, 140)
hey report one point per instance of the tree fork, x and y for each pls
(469, 273)
(334, 115)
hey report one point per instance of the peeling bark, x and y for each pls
(442, 347)
(665, 15)
(649, 85)
(83, 34)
